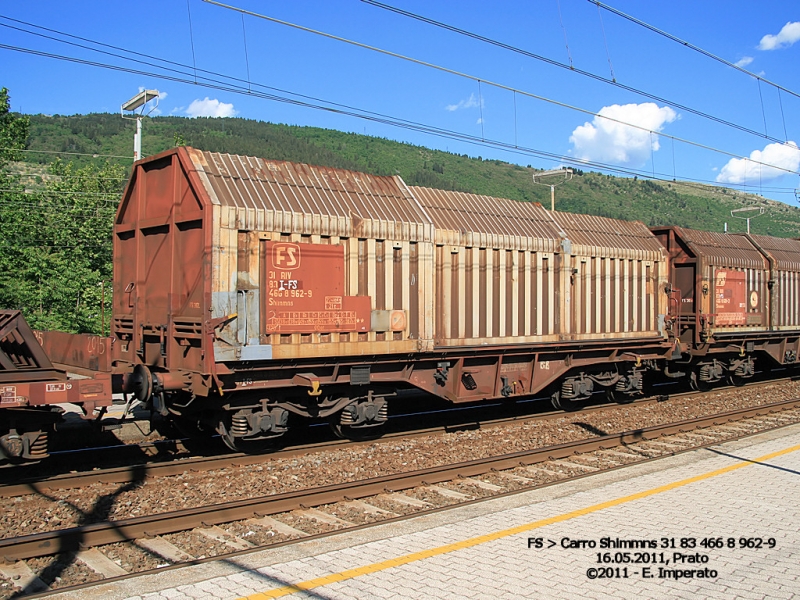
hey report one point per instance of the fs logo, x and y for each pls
(285, 256)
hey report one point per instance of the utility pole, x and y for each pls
(760, 210)
(565, 172)
(138, 101)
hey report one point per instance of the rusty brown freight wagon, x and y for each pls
(733, 300)
(29, 387)
(554, 302)
(246, 290)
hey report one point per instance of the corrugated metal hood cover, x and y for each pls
(248, 182)
(723, 249)
(464, 212)
(785, 251)
(603, 232)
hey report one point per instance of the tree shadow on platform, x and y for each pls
(277, 582)
(755, 462)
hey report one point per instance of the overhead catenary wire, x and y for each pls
(487, 82)
(345, 110)
(93, 155)
(246, 57)
(216, 85)
(763, 112)
(564, 31)
(571, 68)
(191, 39)
(341, 108)
(605, 43)
(50, 178)
(783, 117)
(686, 44)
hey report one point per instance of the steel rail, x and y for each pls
(152, 470)
(137, 472)
(97, 534)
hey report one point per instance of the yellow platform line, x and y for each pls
(489, 537)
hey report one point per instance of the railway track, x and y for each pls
(153, 470)
(316, 511)
(150, 457)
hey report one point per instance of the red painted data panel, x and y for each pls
(305, 291)
(729, 297)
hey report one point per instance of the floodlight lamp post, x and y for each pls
(760, 210)
(567, 174)
(138, 102)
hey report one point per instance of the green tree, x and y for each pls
(56, 250)
(13, 130)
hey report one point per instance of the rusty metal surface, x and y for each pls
(304, 291)
(190, 248)
(82, 350)
(784, 251)
(510, 271)
(483, 221)
(784, 294)
(28, 377)
(722, 249)
(271, 195)
(722, 281)
(73, 539)
(21, 356)
(601, 236)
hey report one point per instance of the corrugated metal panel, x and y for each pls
(737, 298)
(510, 272)
(617, 269)
(785, 290)
(722, 249)
(271, 195)
(615, 296)
(472, 220)
(601, 236)
(785, 252)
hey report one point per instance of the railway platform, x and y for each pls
(720, 522)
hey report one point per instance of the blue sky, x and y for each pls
(698, 119)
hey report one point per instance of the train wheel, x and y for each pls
(363, 419)
(191, 427)
(238, 444)
(357, 434)
(736, 380)
(255, 444)
(561, 403)
(619, 397)
(696, 384)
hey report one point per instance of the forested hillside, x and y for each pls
(654, 203)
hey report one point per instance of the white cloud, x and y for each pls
(788, 35)
(744, 61)
(479, 122)
(742, 170)
(605, 140)
(210, 108)
(471, 102)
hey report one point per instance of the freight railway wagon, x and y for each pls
(248, 290)
(734, 300)
(31, 386)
